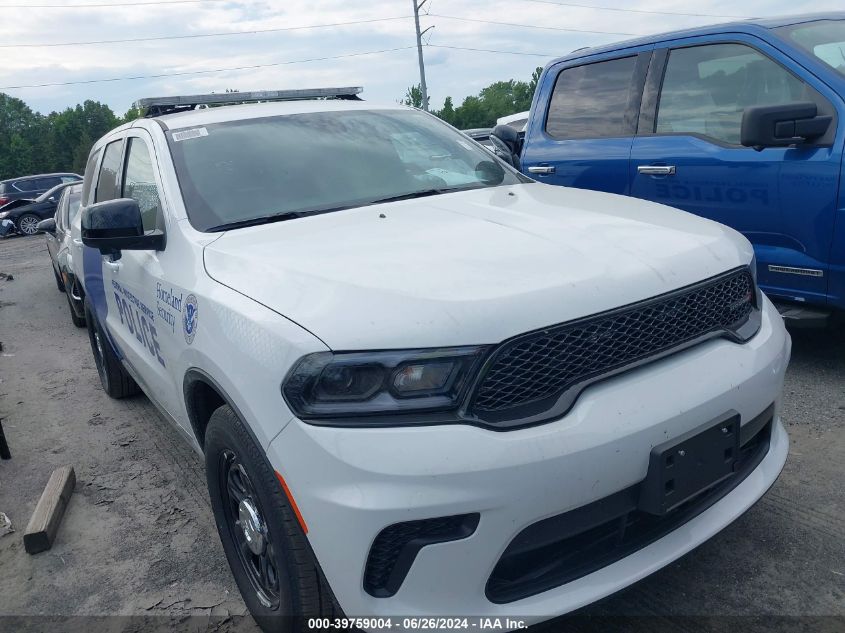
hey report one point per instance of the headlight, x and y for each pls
(3, 214)
(340, 385)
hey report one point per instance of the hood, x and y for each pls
(472, 267)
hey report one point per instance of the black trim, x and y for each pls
(194, 375)
(560, 549)
(651, 92)
(396, 547)
(635, 95)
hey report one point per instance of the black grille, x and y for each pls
(545, 364)
(396, 546)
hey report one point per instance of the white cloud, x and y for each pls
(385, 77)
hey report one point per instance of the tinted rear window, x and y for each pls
(27, 185)
(590, 101)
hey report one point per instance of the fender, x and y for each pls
(195, 375)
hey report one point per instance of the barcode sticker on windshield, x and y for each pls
(184, 135)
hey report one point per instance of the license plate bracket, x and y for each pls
(684, 467)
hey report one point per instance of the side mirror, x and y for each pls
(490, 172)
(782, 125)
(505, 140)
(115, 225)
(46, 226)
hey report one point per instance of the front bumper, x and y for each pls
(352, 483)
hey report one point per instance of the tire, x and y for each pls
(234, 460)
(59, 283)
(116, 382)
(27, 223)
(78, 321)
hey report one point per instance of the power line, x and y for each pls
(527, 26)
(489, 50)
(650, 12)
(143, 3)
(210, 70)
(200, 35)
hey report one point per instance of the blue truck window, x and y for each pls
(706, 88)
(825, 39)
(589, 101)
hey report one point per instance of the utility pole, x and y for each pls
(423, 87)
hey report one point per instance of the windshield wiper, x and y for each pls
(273, 217)
(290, 215)
(264, 219)
(419, 194)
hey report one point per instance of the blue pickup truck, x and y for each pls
(742, 123)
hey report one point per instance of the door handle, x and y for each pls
(656, 170)
(541, 169)
(112, 265)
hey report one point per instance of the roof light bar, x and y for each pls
(157, 106)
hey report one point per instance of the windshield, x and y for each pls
(238, 171)
(824, 38)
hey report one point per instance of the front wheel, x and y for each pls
(28, 224)
(271, 560)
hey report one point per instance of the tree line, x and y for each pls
(34, 143)
(496, 100)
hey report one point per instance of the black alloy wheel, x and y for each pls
(249, 530)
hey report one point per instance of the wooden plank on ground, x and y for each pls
(48, 514)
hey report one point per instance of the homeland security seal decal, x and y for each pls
(190, 314)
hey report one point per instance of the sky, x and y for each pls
(276, 58)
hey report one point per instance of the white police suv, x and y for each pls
(422, 383)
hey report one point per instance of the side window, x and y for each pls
(90, 166)
(74, 200)
(706, 88)
(139, 182)
(107, 180)
(590, 101)
(61, 211)
(27, 185)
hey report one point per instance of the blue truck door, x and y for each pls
(581, 134)
(687, 154)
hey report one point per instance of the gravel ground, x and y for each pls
(138, 538)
